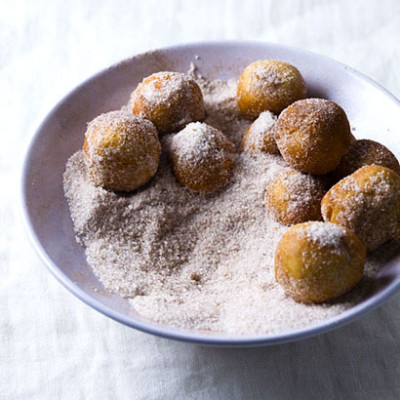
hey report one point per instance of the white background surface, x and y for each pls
(55, 347)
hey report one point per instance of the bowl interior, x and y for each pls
(371, 110)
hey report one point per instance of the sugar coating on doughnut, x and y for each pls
(203, 158)
(365, 152)
(316, 262)
(293, 197)
(169, 99)
(260, 136)
(368, 203)
(269, 85)
(313, 135)
(122, 150)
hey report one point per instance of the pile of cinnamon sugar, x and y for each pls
(194, 261)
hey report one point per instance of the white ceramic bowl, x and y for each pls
(371, 110)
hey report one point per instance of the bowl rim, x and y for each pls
(221, 340)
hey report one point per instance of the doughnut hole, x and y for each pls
(202, 157)
(312, 135)
(316, 261)
(170, 100)
(269, 85)
(260, 136)
(122, 151)
(293, 197)
(368, 203)
(365, 152)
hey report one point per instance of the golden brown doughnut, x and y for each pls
(293, 197)
(122, 151)
(317, 261)
(368, 203)
(269, 85)
(260, 136)
(203, 158)
(169, 99)
(365, 152)
(313, 135)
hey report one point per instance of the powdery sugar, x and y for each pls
(199, 141)
(175, 84)
(195, 261)
(330, 235)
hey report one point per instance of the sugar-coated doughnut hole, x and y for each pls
(122, 151)
(365, 152)
(203, 158)
(293, 197)
(317, 261)
(368, 203)
(269, 85)
(260, 136)
(313, 135)
(169, 99)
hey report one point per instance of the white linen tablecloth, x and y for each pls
(55, 347)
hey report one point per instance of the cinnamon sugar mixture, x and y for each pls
(194, 261)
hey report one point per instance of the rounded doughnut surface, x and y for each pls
(170, 100)
(365, 152)
(293, 197)
(260, 135)
(368, 203)
(121, 150)
(313, 135)
(269, 85)
(202, 157)
(317, 261)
